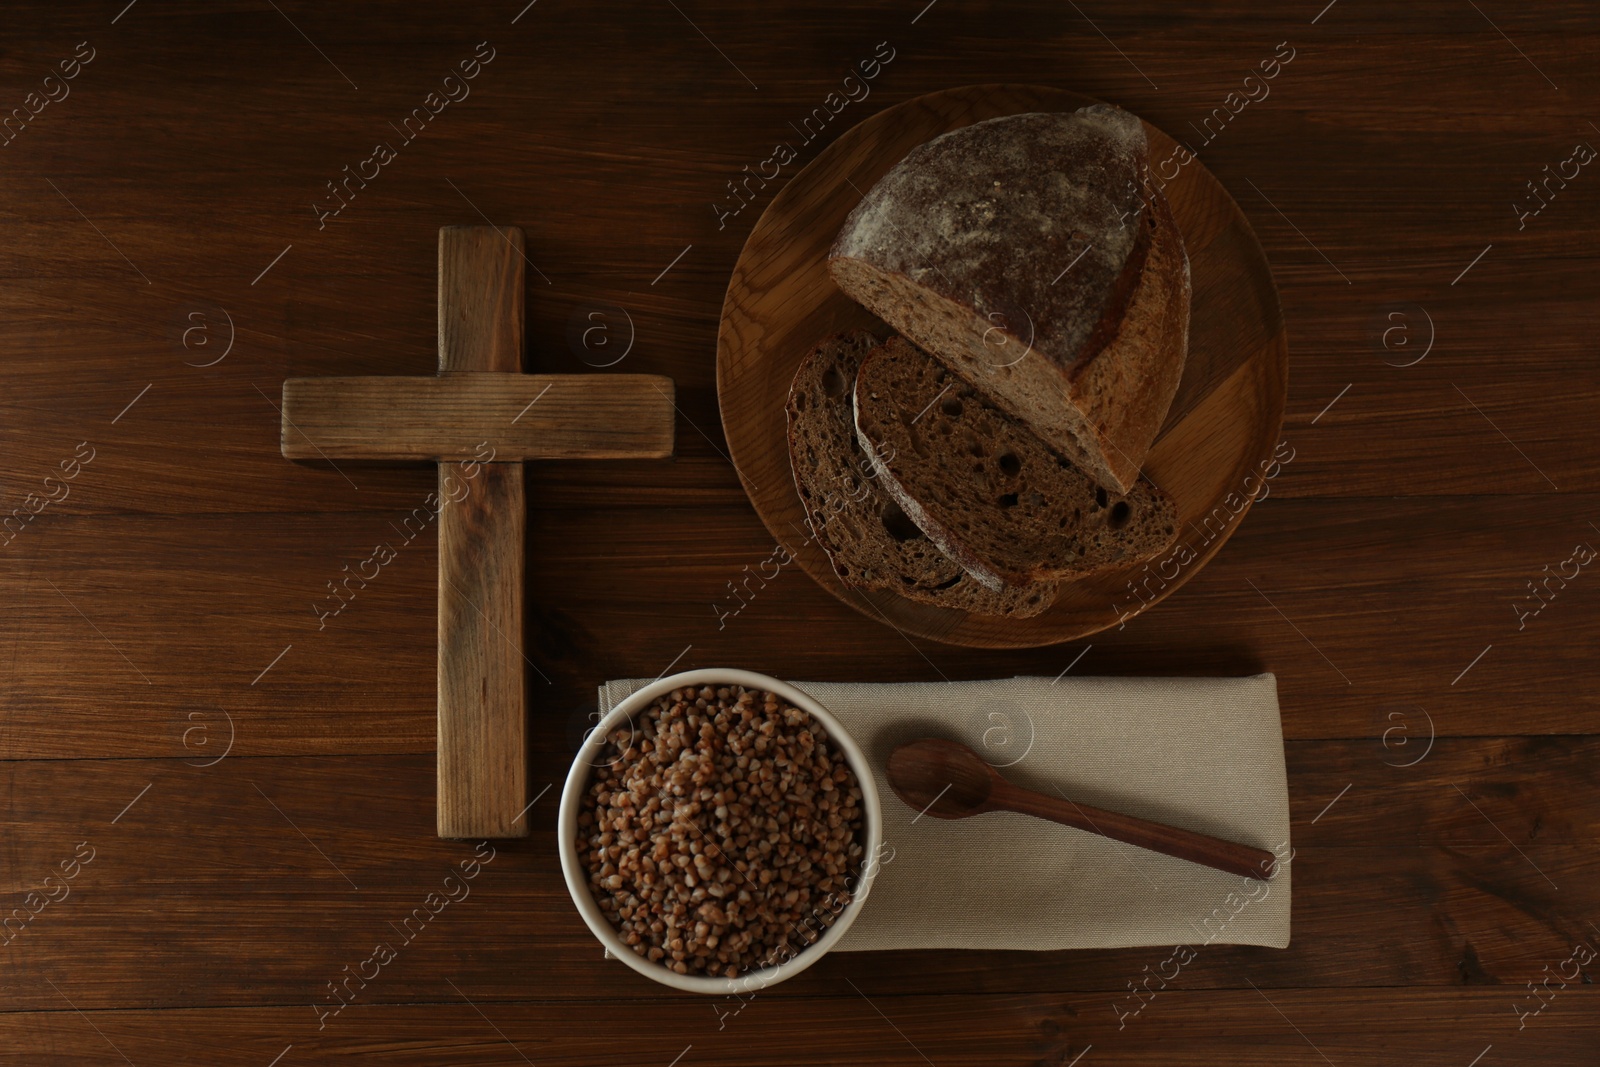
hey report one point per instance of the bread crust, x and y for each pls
(988, 214)
(1075, 260)
(1127, 391)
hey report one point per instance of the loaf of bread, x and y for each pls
(869, 540)
(1033, 257)
(984, 489)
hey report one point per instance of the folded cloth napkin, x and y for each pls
(1205, 754)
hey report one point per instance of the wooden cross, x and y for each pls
(480, 395)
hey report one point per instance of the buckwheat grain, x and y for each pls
(722, 831)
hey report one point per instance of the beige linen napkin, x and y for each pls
(1205, 754)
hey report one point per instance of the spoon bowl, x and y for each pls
(941, 778)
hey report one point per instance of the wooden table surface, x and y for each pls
(171, 595)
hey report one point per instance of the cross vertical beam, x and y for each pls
(483, 776)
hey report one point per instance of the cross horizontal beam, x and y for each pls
(523, 416)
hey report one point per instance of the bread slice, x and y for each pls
(1034, 257)
(990, 494)
(868, 539)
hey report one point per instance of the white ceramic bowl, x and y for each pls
(573, 868)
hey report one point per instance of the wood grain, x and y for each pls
(481, 278)
(1404, 882)
(869, 1025)
(483, 702)
(1209, 455)
(203, 623)
(483, 709)
(1417, 507)
(510, 417)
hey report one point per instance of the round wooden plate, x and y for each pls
(1212, 454)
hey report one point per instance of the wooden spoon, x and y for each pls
(948, 780)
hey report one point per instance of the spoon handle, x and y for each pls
(1168, 840)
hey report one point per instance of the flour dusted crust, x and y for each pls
(1033, 257)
